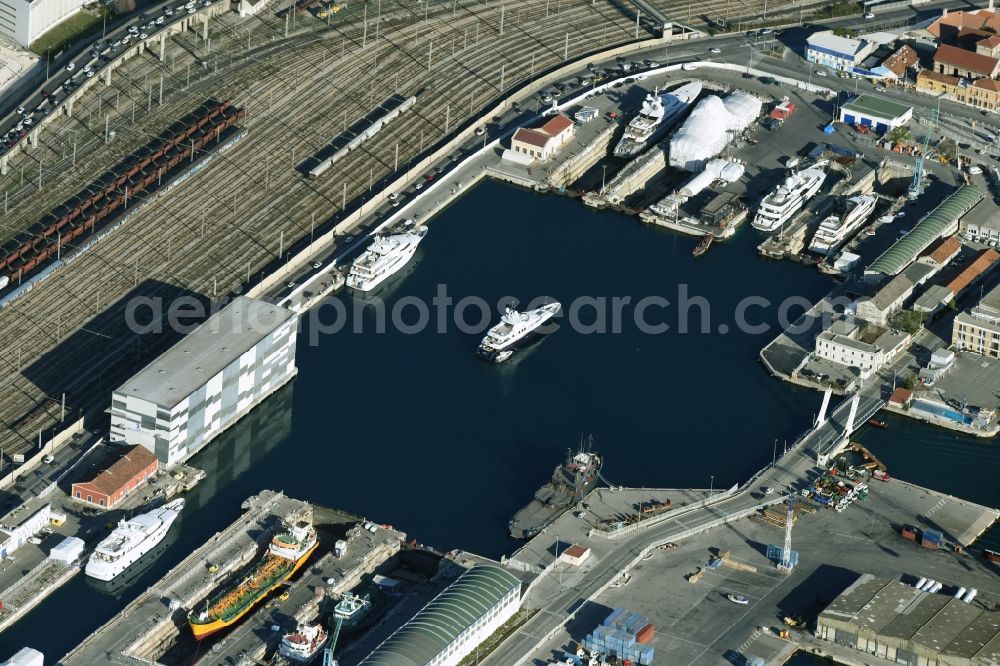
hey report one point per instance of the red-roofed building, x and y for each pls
(901, 397)
(545, 141)
(974, 272)
(951, 24)
(901, 60)
(954, 61)
(946, 250)
(124, 475)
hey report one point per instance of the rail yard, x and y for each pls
(252, 206)
(179, 208)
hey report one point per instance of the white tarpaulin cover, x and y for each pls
(706, 131)
(69, 549)
(717, 169)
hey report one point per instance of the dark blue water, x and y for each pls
(410, 428)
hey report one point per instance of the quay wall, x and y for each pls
(301, 258)
(574, 167)
(163, 628)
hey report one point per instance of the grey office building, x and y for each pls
(207, 381)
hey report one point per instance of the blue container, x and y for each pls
(933, 536)
(610, 619)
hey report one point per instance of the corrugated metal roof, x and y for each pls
(441, 621)
(827, 40)
(906, 249)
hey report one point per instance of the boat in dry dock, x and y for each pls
(834, 230)
(787, 199)
(286, 553)
(303, 644)
(658, 114)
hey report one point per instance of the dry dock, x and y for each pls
(156, 622)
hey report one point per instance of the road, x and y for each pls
(59, 80)
(559, 605)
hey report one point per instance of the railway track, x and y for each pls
(70, 335)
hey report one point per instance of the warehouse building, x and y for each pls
(840, 53)
(110, 486)
(978, 330)
(451, 626)
(207, 381)
(941, 221)
(24, 21)
(885, 618)
(880, 114)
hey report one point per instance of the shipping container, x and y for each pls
(933, 535)
(991, 555)
(613, 617)
(645, 635)
(932, 545)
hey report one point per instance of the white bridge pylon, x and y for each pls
(821, 417)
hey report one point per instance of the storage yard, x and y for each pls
(701, 624)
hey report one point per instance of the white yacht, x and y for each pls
(131, 540)
(834, 230)
(659, 112)
(781, 205)
(385, 256)
(514, 330)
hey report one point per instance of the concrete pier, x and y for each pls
(32, 589)
(157, 620)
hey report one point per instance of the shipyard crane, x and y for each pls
(918, 171)
(349, 606)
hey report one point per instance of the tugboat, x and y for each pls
(703, 246)
(571, 481)
(303, 644)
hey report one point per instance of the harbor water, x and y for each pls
(408, 427)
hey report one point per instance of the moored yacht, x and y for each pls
(781, 205)
(834, 230)
(659, 112)
(385, 256)
(131, 540)
(514, 331)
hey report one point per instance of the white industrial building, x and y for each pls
(24, 21)
(207, 381)
(840, 344)
(450, 627)
(13, 537)
(836, 52)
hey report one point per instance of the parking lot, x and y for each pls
(697, 624)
